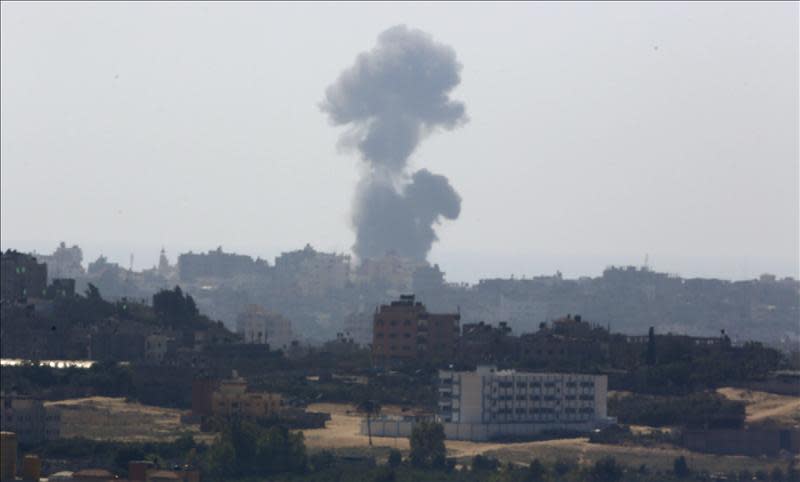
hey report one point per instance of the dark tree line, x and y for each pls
(698, 410)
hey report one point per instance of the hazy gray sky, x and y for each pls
(598, 132)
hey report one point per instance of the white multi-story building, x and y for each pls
(313, 272)
(489, 404)
(488, 395)
(258, 325)
(358, 326)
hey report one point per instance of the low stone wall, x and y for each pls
(477, 432)
(388, 428)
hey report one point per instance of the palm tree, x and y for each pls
(370, 408)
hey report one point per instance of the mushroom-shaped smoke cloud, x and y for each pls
(391, 98)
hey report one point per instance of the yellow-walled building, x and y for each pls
(233, 399)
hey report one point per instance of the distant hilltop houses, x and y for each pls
(324, 294)
(23, 277)
(527, 375)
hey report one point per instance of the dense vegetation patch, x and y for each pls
(698, 410)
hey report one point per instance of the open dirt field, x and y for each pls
(342, 432)
(104, 418)
(766, 407)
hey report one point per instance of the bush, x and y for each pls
(680, 467)
(322, 460)
(395, 458)
(116, 455)
(562, 467)
(485, 463)
(384, 474)
(605, 470)
(427, 445)
(245, 449)
(703, 409)
(536, 471)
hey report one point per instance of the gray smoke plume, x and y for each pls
(392, 97)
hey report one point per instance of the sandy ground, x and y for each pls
(342, 431)
(766, 407)
(104, 418)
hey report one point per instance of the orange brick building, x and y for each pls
(404, 330)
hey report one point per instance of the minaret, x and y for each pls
(163, 263)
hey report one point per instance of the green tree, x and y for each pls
(126, 454)
(245, 449)
(184, 443)
(221, 459)
(651, 347)
(562, 467)
(606, 470)
(278, 450)
(395, 458)
(370, 408)
(93, 294)
(427, 445)
(792, 474)
(384, 474)
(484, 463)
(680, 467)
(242, 434)
(536, 471)
(174, 305)
(322, 460)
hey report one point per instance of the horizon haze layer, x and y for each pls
(459, 267)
